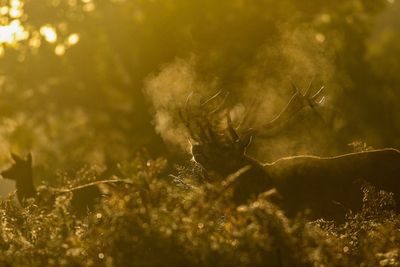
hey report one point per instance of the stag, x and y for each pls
(328, 187)
(84, 197)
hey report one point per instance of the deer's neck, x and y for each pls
(252, 182)
(25, 188)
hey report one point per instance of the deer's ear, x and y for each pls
(29, 158)
(15, 157)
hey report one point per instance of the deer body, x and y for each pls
(327, 186)
(21, 173)
(83, 197)
(330, 186)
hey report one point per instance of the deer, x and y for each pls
(326, 187)
(84, 197)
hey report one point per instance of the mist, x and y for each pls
(298, 57)
(156, 120)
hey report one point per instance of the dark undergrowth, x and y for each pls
(183, 220)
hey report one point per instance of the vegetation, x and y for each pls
(161, 220)
(95, 89)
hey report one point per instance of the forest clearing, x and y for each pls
(199, 133)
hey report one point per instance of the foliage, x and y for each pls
(87, 84)
(76, 78)
(163, 220)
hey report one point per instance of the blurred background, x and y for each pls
(93, 82)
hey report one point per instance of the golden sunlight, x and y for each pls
(11, 29)
(73, 39)
(49, 33)
(12, 33)
(60, 50)
(199, 133)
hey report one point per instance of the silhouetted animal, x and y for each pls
(83, 197)
(327, 186)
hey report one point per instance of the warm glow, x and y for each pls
(73, 39)
(35, 41)
(59, 50)
(199, 133)
(15, 13)
(320, 38)
(49, 33)
(13, 32)
(4, 10)
(89, 6)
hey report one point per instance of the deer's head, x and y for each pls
(214, 142)
(219, 145)
(21, 170)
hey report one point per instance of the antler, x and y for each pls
(297, 102)
(200, 121)
(222, 148)
(215, 143)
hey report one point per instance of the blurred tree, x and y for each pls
(71, 84)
